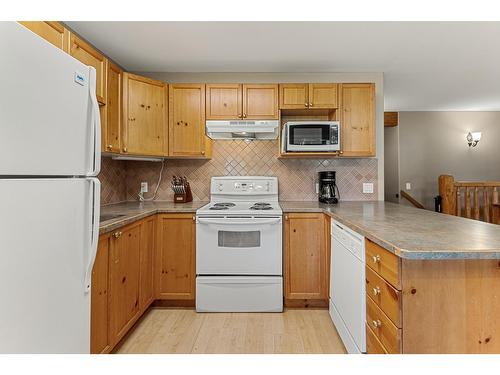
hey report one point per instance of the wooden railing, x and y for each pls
(473, 200)
(410, 199)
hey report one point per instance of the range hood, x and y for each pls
(242, 129)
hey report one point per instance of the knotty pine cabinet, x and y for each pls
(187, 121)
(357, 119)
(306, 254)
(84, 52)
(111, 126)
(235, 101)
(144, 116)
(175, 270)
(52, 31)
(308, 96)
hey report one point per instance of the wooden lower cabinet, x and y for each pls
(305, 254)
(175, 259)
(99, 329)
(147, 254)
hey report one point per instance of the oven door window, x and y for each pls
(309, 135)
(238, 239)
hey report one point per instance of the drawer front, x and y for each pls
(383, 262)
(384, 295)
(387, 333)
(373, 345)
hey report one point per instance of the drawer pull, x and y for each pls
(376, 291)
(117, 234)
(376, 323)
(376, 258)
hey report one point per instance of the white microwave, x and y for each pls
(311, 136)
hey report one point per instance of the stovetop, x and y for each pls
(241, 208)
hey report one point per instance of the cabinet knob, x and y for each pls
(376, 323)
(109, 147)
(310, 104)
(124, 149)
(306, 105)
(376, 291)
(117, 234)
(239, 115)
(286, 217)
(132, 119)
(376, 258)
(203, 152)
(194, 218)
(244, 115)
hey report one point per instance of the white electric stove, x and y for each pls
(239, 248)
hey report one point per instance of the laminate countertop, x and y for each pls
(133, 211)
(412, 233)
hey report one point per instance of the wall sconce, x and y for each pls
(473, 138)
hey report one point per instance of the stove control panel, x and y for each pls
(245, 186)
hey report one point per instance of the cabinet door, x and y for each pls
(260, 102)
(187, 120)
(144, 106)
(224, 101)
(323, 95)
(357, 124)
(99, 329)
(175, 273)
(124, 280)
(305, 256)
(88, 55)
(51, 31)
(148, 234)
(112, 130)
(294, 95)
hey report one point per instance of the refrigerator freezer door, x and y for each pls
(49, 115)
(48, 237)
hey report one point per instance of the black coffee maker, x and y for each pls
(328, 191)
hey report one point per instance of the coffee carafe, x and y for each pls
(328, 191)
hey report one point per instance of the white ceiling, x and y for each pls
(427, 66)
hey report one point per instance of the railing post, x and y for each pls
(447, 193)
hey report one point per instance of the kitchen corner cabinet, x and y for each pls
(358, 119)
(305, 253)
(235, 101)
(99, 337)
(83, 51)
(308, 96)
(187, 121)
(111, 127)
(175, 270)
(144, 116)
(51, 31)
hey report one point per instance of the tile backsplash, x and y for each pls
(113, 179)
(296, 177)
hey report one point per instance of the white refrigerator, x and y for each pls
(49, 195)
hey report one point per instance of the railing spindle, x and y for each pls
(458, 203)
(467, 203)
(476, 203)
(486, 206)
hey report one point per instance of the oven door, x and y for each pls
(312, 137)
(238, 246)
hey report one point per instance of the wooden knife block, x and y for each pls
(184, 198)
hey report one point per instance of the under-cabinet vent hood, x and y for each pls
(246, 129)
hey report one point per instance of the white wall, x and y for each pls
(433, 143)
(377, 78)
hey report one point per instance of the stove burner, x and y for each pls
(265, 206)
(219, 208)
(224, 204)
(261, 204)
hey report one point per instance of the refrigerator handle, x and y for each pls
(95, 135)
(96, 207)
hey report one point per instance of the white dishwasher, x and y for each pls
(347, 286)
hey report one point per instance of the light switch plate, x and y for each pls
(367, 188)
(408, 186)
(144, 187)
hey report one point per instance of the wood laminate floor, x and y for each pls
(296, 331)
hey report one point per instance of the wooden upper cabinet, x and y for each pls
(260, 102)
(124, 270)
(112, 128)
(83, 51)
(99, 329)
(357, 122)
(323, 95)
(187, 120)
(224, 101)
(144, 116)
(305, 256)
(51, 31)
(294, 95)
(175, 259)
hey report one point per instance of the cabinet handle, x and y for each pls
(124, 149)
(239, 115)
(376, 258)
(376, 323)
(110, 147)
(310, 104)
(341, 152)
(286, 217)
(306, 105)
(376, 291)
(117, 234)
(244, 115)
(194, 218)
(203, 152)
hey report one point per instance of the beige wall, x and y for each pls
(433, 143)
(377, 78)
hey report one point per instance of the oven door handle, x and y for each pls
(231, 222)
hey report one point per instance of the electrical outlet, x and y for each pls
(367, 188)
(408, 186)
(144, 187)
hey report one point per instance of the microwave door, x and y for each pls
(309, 137)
